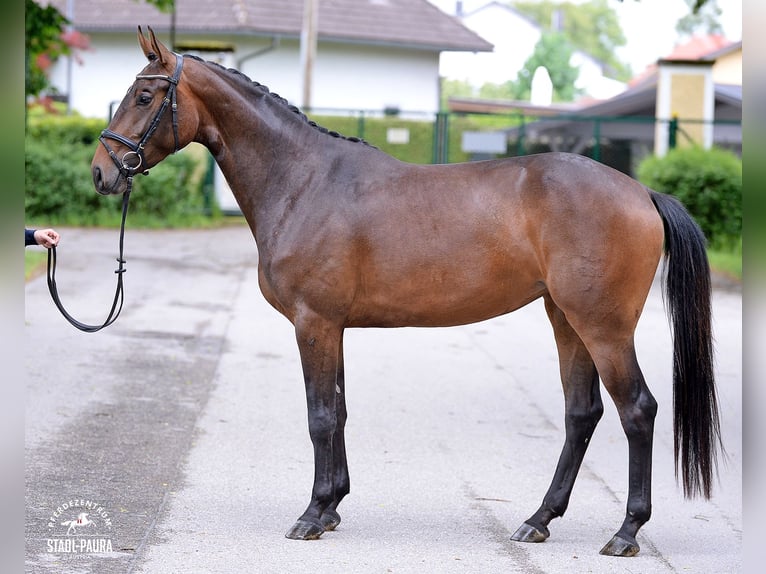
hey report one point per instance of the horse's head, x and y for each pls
(149, 124)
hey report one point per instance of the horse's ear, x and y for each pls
(145, 45)
(153, 49)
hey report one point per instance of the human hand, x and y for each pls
(46, 237)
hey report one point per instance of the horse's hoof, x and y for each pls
(330, 519)
(305, 530)
(528, 533)
(620, 547)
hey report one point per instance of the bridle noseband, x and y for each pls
(137, 149)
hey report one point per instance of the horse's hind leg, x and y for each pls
(637, 408)
(583, 407)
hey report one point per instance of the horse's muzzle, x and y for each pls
(101, 185)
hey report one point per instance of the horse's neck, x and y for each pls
(262, 140)
(240, 141)
(266, 152)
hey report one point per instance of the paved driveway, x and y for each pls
(181, 432)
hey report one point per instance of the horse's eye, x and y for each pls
(144, 99)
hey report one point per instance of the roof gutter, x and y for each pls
(275, 40)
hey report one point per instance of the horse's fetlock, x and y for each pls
(639, 513)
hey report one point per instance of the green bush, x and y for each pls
(170, 189)
(707, 182)
(62, 129)
(59, 187)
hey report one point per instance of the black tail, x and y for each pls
(686, 279)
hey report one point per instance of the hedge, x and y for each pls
(707, 182)
(59, 187)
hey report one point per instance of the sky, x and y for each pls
(649, 26)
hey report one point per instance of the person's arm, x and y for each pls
(46, 237)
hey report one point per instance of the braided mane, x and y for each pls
(281, 100)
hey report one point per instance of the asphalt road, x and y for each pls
(181, 432)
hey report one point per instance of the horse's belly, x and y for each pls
(436, 299)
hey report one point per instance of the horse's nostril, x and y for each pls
(97, 179)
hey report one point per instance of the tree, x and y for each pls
(504, 91)
(43, 44)
(592, 27)
(702, 19)
(454, 89)
(161, 5)
(554, 52)
(698, 4)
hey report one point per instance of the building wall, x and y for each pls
(728, 69)
(373, 78)
(345, 76)
(102, 75)
(686, 102)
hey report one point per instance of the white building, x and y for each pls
(371, 55)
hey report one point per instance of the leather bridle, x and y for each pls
(137, 149)
(128, 171)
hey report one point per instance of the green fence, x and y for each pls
(619, 141)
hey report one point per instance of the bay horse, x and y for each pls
(347, 236)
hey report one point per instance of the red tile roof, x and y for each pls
(697, 48)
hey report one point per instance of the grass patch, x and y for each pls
(111, 220)
(726, 258)
(35, 262)
(726, 263)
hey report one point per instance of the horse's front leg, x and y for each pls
(330, 517)
(319, 342)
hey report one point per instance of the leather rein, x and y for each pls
(134, 155)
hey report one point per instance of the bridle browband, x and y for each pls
(137, 149)
(128, 172)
